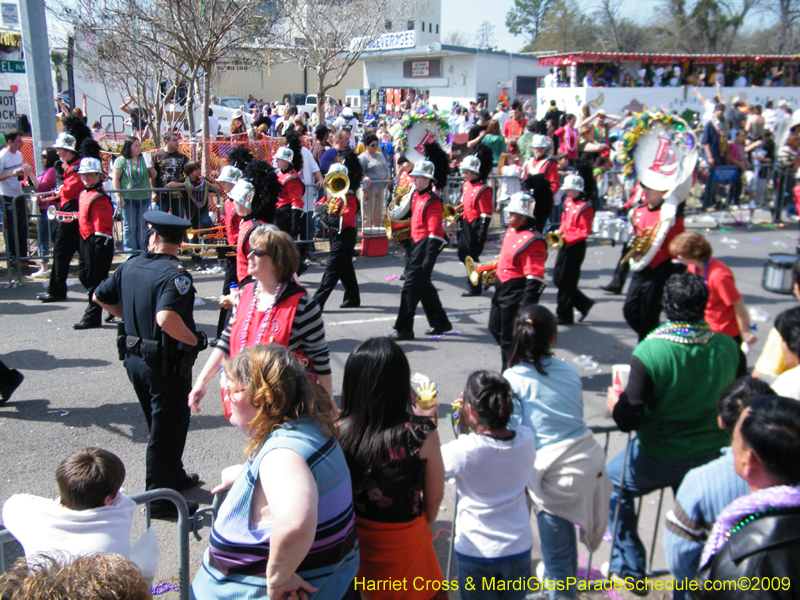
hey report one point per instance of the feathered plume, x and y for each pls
(441, 163)
(78, 129)
(89, 148)
(538, 187)
(265, 181)
(296, 146)
(484, 154)
(584, 169)
(355, 172)
(240, 157)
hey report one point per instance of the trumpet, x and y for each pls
(554, 240)
(641, 243)
(450, 214)
(477, 273)
(336, 186)
(397, 231)
(63, 216)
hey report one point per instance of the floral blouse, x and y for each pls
(392, 492)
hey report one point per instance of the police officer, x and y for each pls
(154, 296)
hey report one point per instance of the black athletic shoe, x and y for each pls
(401, 336)
(438, 330)
(8, 388)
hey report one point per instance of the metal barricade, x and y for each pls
(184, 522)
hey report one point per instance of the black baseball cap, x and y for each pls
(484, 115)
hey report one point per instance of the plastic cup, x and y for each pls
(619, 377)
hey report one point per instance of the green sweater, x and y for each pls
(681, 418)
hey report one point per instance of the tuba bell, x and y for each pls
(450, 214)
(554, 240)
(477, 273)
(336, 186)
(397, 231)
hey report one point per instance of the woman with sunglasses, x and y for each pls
(45, 183)
(272, 309)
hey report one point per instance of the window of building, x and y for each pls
(410, 26)
(388, 25)
(430, 28)
(423, 27)
(437, 28)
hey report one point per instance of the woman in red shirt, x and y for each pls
(725, 311)
(568, 137)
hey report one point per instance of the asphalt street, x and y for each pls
(76, 393)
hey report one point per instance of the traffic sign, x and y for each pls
(8, 110)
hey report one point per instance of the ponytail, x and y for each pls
(534, 330)
(490, 396)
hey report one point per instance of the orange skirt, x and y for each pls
(391, 552)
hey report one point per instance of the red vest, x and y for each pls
(292, 189)
(548, 168)
(576, 220)
(349, 215)
(523, 253)
(73, 186)
(644, 217)
(477, 199)
(95, 213)
(426, 215)
(232, 222)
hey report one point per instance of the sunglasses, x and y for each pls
(258, 252)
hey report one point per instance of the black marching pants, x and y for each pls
(506, 303)
(65, 244)
(471, 240)
(642, 308)
(96, 254)
(566, 275)
(418, 288)
(340, 267)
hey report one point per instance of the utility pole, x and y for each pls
(37, 70)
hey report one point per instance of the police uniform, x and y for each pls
(520, 281)
(576, 225)
(642, 308)
(158, 367)
(477, 199)
(290, 205)
(340, 263)
(96, 227)
(427, 236)
(66, 241)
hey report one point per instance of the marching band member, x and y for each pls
(576, 225)
(255, 196)
(520, 267)
(96, 227)
(343, 231)
(403, 209)
(75, 140)
(542, 163)
(228, 177)
(478, 208)
(290, 206)
(623, 267)
(663, 152)
(427, 235)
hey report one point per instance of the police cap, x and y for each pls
(166, 224)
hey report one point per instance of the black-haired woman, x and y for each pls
(396, 467)
(565, 488)
(492, 466)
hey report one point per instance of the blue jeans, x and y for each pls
(506, 571)
(559, 551)
(132, 224)
(642, 476)
(47, 230)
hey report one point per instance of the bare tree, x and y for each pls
(609, 11)
(485, 35)
(456, 38)
(329, 36)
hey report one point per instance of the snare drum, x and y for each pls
(778, 273)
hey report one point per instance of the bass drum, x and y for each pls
(778, 273)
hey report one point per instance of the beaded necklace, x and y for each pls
(198, 200)
(698, 332)
(265, 319)
(129, 171)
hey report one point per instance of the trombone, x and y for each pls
(336, 185)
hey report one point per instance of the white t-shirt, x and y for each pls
(501, 117)
(788, 384)
(213, 127)
(42, 525)
(9, 163)
(493, 519)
